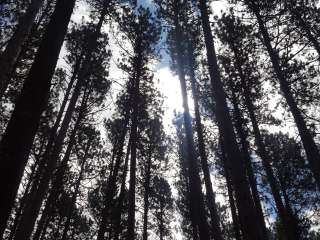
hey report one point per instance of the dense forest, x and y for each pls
(160, 119)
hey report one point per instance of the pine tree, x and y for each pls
(32, 101)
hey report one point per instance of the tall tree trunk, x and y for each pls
(53, 155)
(146, 196)
(184, 172)
(239, 124)
(308, 142)
(54, 129)
(198, 213)
(23, 201)
(116, 212)
(18, 138)
(134, 138)
(161, 226)
(58, 178)
(215, 221)
(76, 191)
(32, 209)
(290, 230)
(247, 214)
(112, 181)
(11, 53)
(233, 208)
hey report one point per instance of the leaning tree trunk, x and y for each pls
(76, 191)
(56, 187)
(251, 228)
(308, 142)
(289, 227)
(12, 51)
(53, 155)
(116, 212)
(184, 178)
(18, 138)
(112, 181)
(23, 200)
(239, 124)
(234, 215)
(32, 209)
(215, 221)
(198, 213)
(146, 196)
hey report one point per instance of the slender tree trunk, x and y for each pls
(309, 144)
(215, 221)
(234, 215)
(283, 214)
(32, 209)
(161, 226)
(117, 210)
(198, 213)
(239, 124)
(247, 214)
(184, 177)
(18, 138)
(22, 201)
(76, 191)
(53, 155)
(134, 138)
(146, 196)
(11, 53)
(54, 129)
(59, 176)
(112, 181)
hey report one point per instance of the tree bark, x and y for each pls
(58, 178)
(116, 212)
(239, 124)
(215, 220)
(22, 201)
(112, 181)
(11, 53)
(32, 209)
(146, 196)
(308, 142)
(233, 208)
(251, 228)
(76, 191)
(134, 138)
(18, 138)
(285, 218)
(198, 213)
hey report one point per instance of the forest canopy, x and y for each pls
(159, 119)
